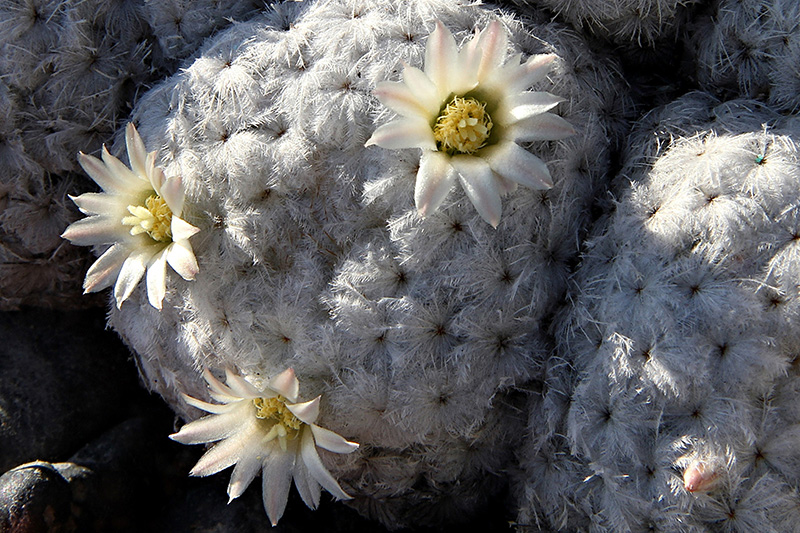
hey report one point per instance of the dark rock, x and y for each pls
(63, 380)
(34, 498)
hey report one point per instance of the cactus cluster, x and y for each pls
(670, 402)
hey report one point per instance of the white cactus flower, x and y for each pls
(467, 111)
(268, 431)
(139, 215)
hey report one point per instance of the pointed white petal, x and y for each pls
(103, 273)
(123, 174)
(182, 230)
(215, 408)
(469, 61)
(243, 474)
(181, 258)
(286, 384)
(479, 183)
(307, 411)
(494, 43)
(306, 485)
(435, 178)
(423, 88)
(210, 428)
(155, 175)
(404, 133)
(131, 272)
(276, 482)
(401, 99)
(172, 193)
(102, 174)
(514, 78)
(315, 467)
(227, 452)
(441, 57)
(240, 386)
(331, 441)
(96, 229)
(544, 127)
(513, 162)
(525, 105)
(219, 389)
(137, 154)
(93, 203)
(157, 278)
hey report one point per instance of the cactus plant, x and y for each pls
(311, 254)
(670, 402)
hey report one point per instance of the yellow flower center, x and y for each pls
(463, 126)
(286, 424)
(155, 218)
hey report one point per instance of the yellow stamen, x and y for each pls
(463, 126)
(286, 424)
(155, 218)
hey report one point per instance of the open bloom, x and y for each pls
(267, 431)
(139, 215)
(467, 110)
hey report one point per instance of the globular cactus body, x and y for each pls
(419, 331)
(671, 401)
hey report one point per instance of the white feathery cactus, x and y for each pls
(312, 253)
(670, 401)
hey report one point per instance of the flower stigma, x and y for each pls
(463, 126)
(155, 218)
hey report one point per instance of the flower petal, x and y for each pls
(404, 133)
(157, 278)
(181, 230)
(218, 388)
(494, 43)
(276, 482)
(105, 270)
(286, 384)
(96, 229)
(441, 56)
(315, 467)
(122, 173)
(423, 88)
(228, 451)
(131, 272)
(517, 164)
(102, 174)
(172, 193)
(544, 127)
(401, 99)
(181, 258)
(434, 180)
(240, 386)
(306, 485)
(525, 105)
(307, 411)
(94, 203)
(478, 181)
(515, 78)
(332, 441)
(469, 61)
(214, 408)
(243, 474)
(210, 428)
(155, 175)
(137, 154)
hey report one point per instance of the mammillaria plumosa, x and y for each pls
(671, 401)
(417, 331)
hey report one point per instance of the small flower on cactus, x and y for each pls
(467, 111)
(139, 215)
(267, 431)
